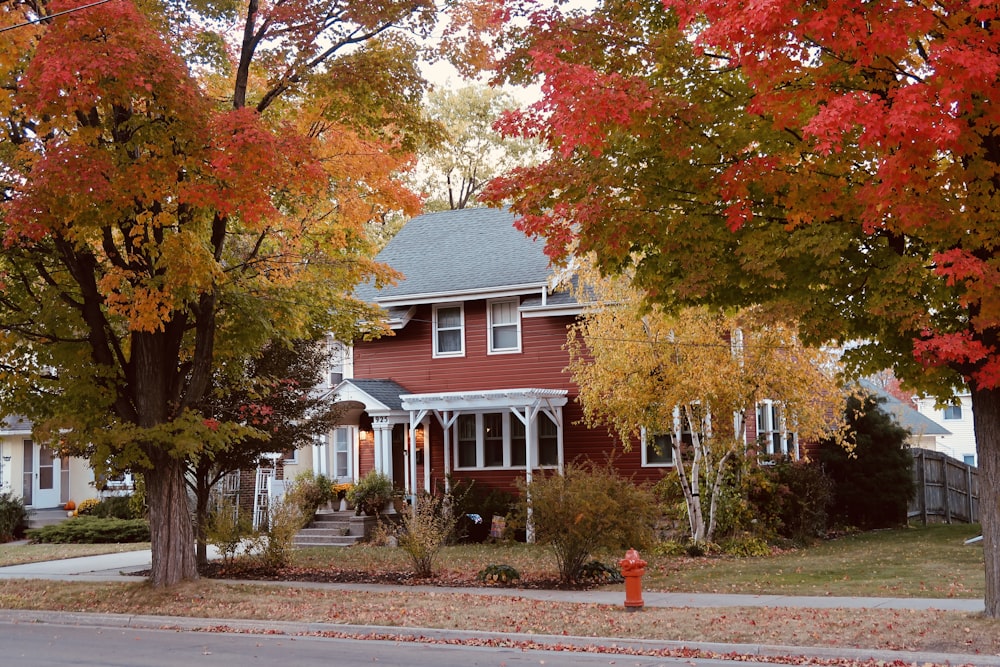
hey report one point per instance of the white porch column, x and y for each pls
(427, 456)
(320, 454)
(383, 445)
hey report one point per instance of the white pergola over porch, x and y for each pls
(524, 404)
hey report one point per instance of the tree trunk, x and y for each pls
(170, 523)
(986, 413)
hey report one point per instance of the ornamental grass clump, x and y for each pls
(424, 531)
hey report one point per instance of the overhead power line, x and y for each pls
(52, 16)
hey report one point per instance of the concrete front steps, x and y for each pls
(46, 517)
(330, 528)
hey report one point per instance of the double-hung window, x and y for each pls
(953, 412)
(498, 440)
(341, 452)
(772, 432)
(504, 325)
(449, 331)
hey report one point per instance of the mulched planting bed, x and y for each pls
(256, 572)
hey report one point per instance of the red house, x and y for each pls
(472, 383)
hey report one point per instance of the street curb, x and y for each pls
(540, 642)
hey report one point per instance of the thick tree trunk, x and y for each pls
(986, 412)
(170, 524)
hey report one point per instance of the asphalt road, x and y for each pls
(55, 645)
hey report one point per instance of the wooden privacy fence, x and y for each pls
(945, 488)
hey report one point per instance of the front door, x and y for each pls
(41, 476)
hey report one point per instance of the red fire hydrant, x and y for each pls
(633, 567)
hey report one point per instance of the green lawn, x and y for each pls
(19, 553)
(930, 561)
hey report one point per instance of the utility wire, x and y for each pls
(52, 16)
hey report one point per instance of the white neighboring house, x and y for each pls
(960, 443)
(924, 431)
(32, 471)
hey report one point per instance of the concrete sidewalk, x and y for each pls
(123, 566)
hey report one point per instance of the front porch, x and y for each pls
(420, 439)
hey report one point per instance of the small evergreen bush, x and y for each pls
(13, 517)
(93, 530)
(115, 507)
(498, 574)
(597, 572)
(873, 484)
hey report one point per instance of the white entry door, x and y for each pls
(42, 473)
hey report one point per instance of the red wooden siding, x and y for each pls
(407, 358)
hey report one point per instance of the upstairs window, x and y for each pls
(504, 326)
(953, 412)
(449, 331)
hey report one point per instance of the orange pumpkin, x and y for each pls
(70, 505)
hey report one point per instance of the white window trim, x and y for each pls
(507, 417)
(349, 435)
(788, 441)
(653, 464)
(461, 351)
(491, 347)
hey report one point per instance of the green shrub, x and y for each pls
(874, 484)
(308, 492)
(226, 529)
(588, 508)
(787, 499)
(597, 572)
(13, 517)
(137, 500)
(498, 574)
(746, 546)
(670, 548)
(286, 520)
(115, 507)
(93, 530)
(424, 530)
(371, 493)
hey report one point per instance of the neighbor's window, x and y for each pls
(504, 326)
(953, 412)
(449, 338)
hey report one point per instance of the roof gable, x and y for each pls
(460, 252)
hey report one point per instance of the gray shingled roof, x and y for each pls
(386, 392)
(904, 415)
(460, 251)
(15, 424)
